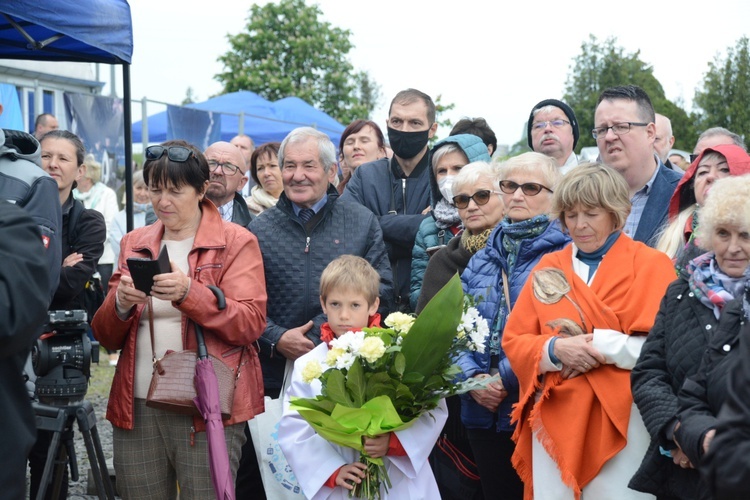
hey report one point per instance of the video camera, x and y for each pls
(62, 358)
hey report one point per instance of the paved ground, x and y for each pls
(97, 395)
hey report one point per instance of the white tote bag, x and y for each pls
(279, 481)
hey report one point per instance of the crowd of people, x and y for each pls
(613, 292)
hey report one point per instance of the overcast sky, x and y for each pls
(492, 59)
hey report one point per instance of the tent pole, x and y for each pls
(128, 130)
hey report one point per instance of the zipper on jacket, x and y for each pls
(307, 245)
(403, 192)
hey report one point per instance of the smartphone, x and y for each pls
(143, 270)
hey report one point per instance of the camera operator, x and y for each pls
(83, 235)
(24, 293)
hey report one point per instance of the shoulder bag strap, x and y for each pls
(505, 290)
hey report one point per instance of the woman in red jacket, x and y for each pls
(154, 449)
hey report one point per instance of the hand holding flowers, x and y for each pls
(381, 380)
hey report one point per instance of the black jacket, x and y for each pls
(24, 183)
(726, 467)
(398, 202)
(704, 393)
(24, 293)
(88, 240)
(671, 353)
(294, 256)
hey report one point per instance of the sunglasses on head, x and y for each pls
(179, 154)
(481, 197)
(528, 188)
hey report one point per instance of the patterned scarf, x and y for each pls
(711, 286)
(475, 242)
(515, 232)
(446, 215)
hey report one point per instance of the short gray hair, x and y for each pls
(532, 163)
(736, 139)
(471, 174)
(326, 149)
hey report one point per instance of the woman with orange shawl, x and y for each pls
(572, 339)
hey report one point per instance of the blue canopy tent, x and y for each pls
(264, 121)
(96, 31)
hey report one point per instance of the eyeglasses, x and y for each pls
(180, 154)
(618, 129)
(481, 197)
(226, 168)
(553, 124)
(528, 188)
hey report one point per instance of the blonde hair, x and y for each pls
(532, 162)
(672, 238)
(353, 274)
(727, 204)
(592, 185)
(93, 169)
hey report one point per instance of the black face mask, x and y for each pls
(407, 145)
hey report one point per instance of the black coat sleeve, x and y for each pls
(24, 280)
(650, 378)
(726, 466)
(89, 241)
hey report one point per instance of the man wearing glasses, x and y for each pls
(553, 131)
(625, 132)
(227, 169)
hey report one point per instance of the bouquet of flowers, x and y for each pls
(381, 380)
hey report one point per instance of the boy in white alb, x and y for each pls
(349, 297)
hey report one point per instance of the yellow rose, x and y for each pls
(400, 322)
(372, 349)
(311, 371)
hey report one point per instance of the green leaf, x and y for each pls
(355, 383)
(399, 363)
(432, 334)
(336, 389)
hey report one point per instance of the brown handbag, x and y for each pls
(172, 382)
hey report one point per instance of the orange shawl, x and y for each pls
(582, 422)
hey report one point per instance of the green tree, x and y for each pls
(603, 65)
(723, 99)
(287, 50)
(190, 97)
(440, 118)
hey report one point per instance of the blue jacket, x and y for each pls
(482, 279)
(398, 202)
(657, 207)
(429, 235)
(294, 258)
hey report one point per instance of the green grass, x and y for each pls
(101, 375)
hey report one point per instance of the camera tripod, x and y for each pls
(59, 420)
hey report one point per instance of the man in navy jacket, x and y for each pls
(625, 132)
(397, 190)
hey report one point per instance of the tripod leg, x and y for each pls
(87, 424)
(54, 451)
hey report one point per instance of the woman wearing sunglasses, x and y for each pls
(494, 277)
(572, 339)
(442, 223)
(154, 449)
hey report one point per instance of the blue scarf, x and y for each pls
(515, 232)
